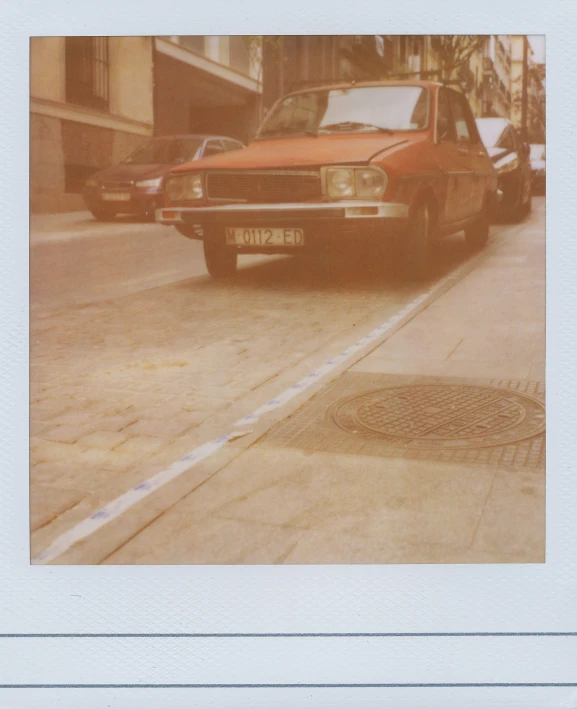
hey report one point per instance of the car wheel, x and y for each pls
(103, 215)
(220, 259)
(529, 204)
(477, 234)
(523, 208)
(417, 243)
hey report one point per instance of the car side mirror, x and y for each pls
(442, 128)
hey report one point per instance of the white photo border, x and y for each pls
(505, 618)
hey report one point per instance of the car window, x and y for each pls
(517, 142)
(165, 151)
(461, 118)
(470, 118)
(445, 125)
(507, 140)
(231, 145)
(491, 130)
(353, 109)
(213, 147)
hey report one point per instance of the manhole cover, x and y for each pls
(441, 416)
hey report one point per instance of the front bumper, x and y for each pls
(140, 201)
(230, 214)
(324, 224)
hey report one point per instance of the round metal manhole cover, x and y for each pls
(441, 416)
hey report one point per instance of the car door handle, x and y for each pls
(481, 154)
(463, 151)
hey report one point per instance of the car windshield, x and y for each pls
(358, 109)
(165, 152)
(490, 131)
(537, 152)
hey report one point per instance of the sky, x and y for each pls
(537, 42)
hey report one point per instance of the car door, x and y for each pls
(448, 160)
(479, 161)
(464, 156)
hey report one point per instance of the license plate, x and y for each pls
(264, 237)
(116, 196)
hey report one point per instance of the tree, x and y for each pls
(455, 50)
(535, 102)
(256, 43)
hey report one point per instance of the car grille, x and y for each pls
(117, 185)
(261, 187)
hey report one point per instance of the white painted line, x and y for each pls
(127, 500)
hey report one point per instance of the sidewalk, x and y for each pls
(356, 476)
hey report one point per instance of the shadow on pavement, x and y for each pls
(349, 271)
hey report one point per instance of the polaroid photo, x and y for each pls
(274, 400)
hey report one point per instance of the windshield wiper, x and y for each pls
(288, 131)
(351, 125)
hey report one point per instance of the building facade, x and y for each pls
(90, 105)
(497, 76)
(207, 84)
(295, 62)
(94, 100)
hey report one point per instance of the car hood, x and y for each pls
(302, 152)
(130, 173)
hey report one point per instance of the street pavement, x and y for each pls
(138, 358)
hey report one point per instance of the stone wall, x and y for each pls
(60, 149)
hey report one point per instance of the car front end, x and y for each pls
(315, 174)
(123, 196)
(282, 210)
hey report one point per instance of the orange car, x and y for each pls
(382, 163)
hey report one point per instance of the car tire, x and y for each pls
(529, 204)
(220, 259)
(477, 234)
(103, 215)
(522, 209)
(417, 247)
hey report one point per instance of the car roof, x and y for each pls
(360, 84)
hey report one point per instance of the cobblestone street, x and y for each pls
(137, 358)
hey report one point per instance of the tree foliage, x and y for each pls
(455, 50)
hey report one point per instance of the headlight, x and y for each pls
(340, 182)
(184, 188)
(155, 182)
(355, 182)
(370, 182)
(507, 164)
(91, 182)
